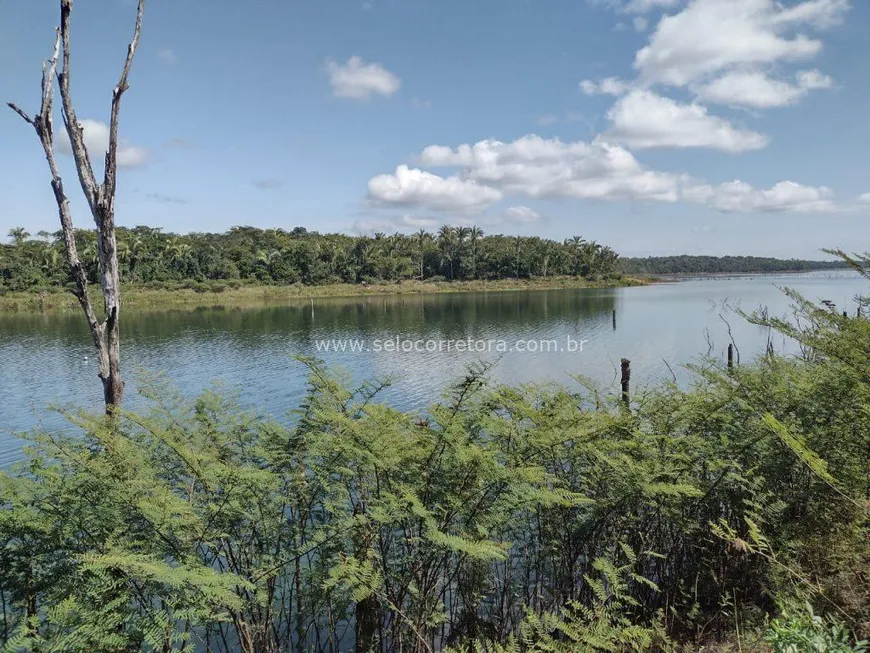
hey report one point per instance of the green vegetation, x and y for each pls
(721, 265)
(504, 519)
(247, 256)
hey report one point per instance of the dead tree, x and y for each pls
(100, 198)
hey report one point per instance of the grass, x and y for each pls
(196, 295)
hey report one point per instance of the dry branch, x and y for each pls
(100, 197)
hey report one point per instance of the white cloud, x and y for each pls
(640, 23)
(643, 119)
(442, 156)
(819, 13)
(711, 36)
(740, 197)
(540, 168)
(606, 86)
(758, 91)
(411, 187)
(813, 79)
(358, 80)
(167, 55)
(548, 168)
(96, 136)
(864, 198)
(522, 215)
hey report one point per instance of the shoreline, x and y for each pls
(655, 277)
(218, 295)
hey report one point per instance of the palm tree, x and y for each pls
(18, 235)
(177, 253)
(90, 259)
(575, 245)
(423, 239)
(475, 234)
(124, 255)
(50, 260)
(362, 253)
(448, 242)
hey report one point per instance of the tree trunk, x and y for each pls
(367, 622)
(100, 198)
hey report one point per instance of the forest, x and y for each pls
(729, 515)
(247, 255)
(274, 256)
(721, 265)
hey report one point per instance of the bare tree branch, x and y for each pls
(73, 127)
(100, 198)
(112, 154)
(21, 113)
(43, 125)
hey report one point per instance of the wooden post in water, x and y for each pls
(626, 381)
(614, 319)
(731, 357)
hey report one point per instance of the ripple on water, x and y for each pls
(251, 349)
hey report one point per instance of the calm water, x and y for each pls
(42, 357)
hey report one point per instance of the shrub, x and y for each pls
(799, 630)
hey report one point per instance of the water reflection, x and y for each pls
(42, 356)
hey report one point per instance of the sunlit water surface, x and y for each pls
(47, 358)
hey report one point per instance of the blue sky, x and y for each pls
(655, 126)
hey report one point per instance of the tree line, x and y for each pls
(721, 265)
(731, 515)
(275, 256)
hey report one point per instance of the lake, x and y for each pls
(413, 339)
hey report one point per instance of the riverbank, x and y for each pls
(224, 294)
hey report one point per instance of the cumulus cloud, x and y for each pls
(540, 168)
(522, 215)
(711, 36)
(606, 86)
(548, 168)
(740, 197)
(756, 90)
(96, 136)
(411, 187)
(643, 119)
(358, 80)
